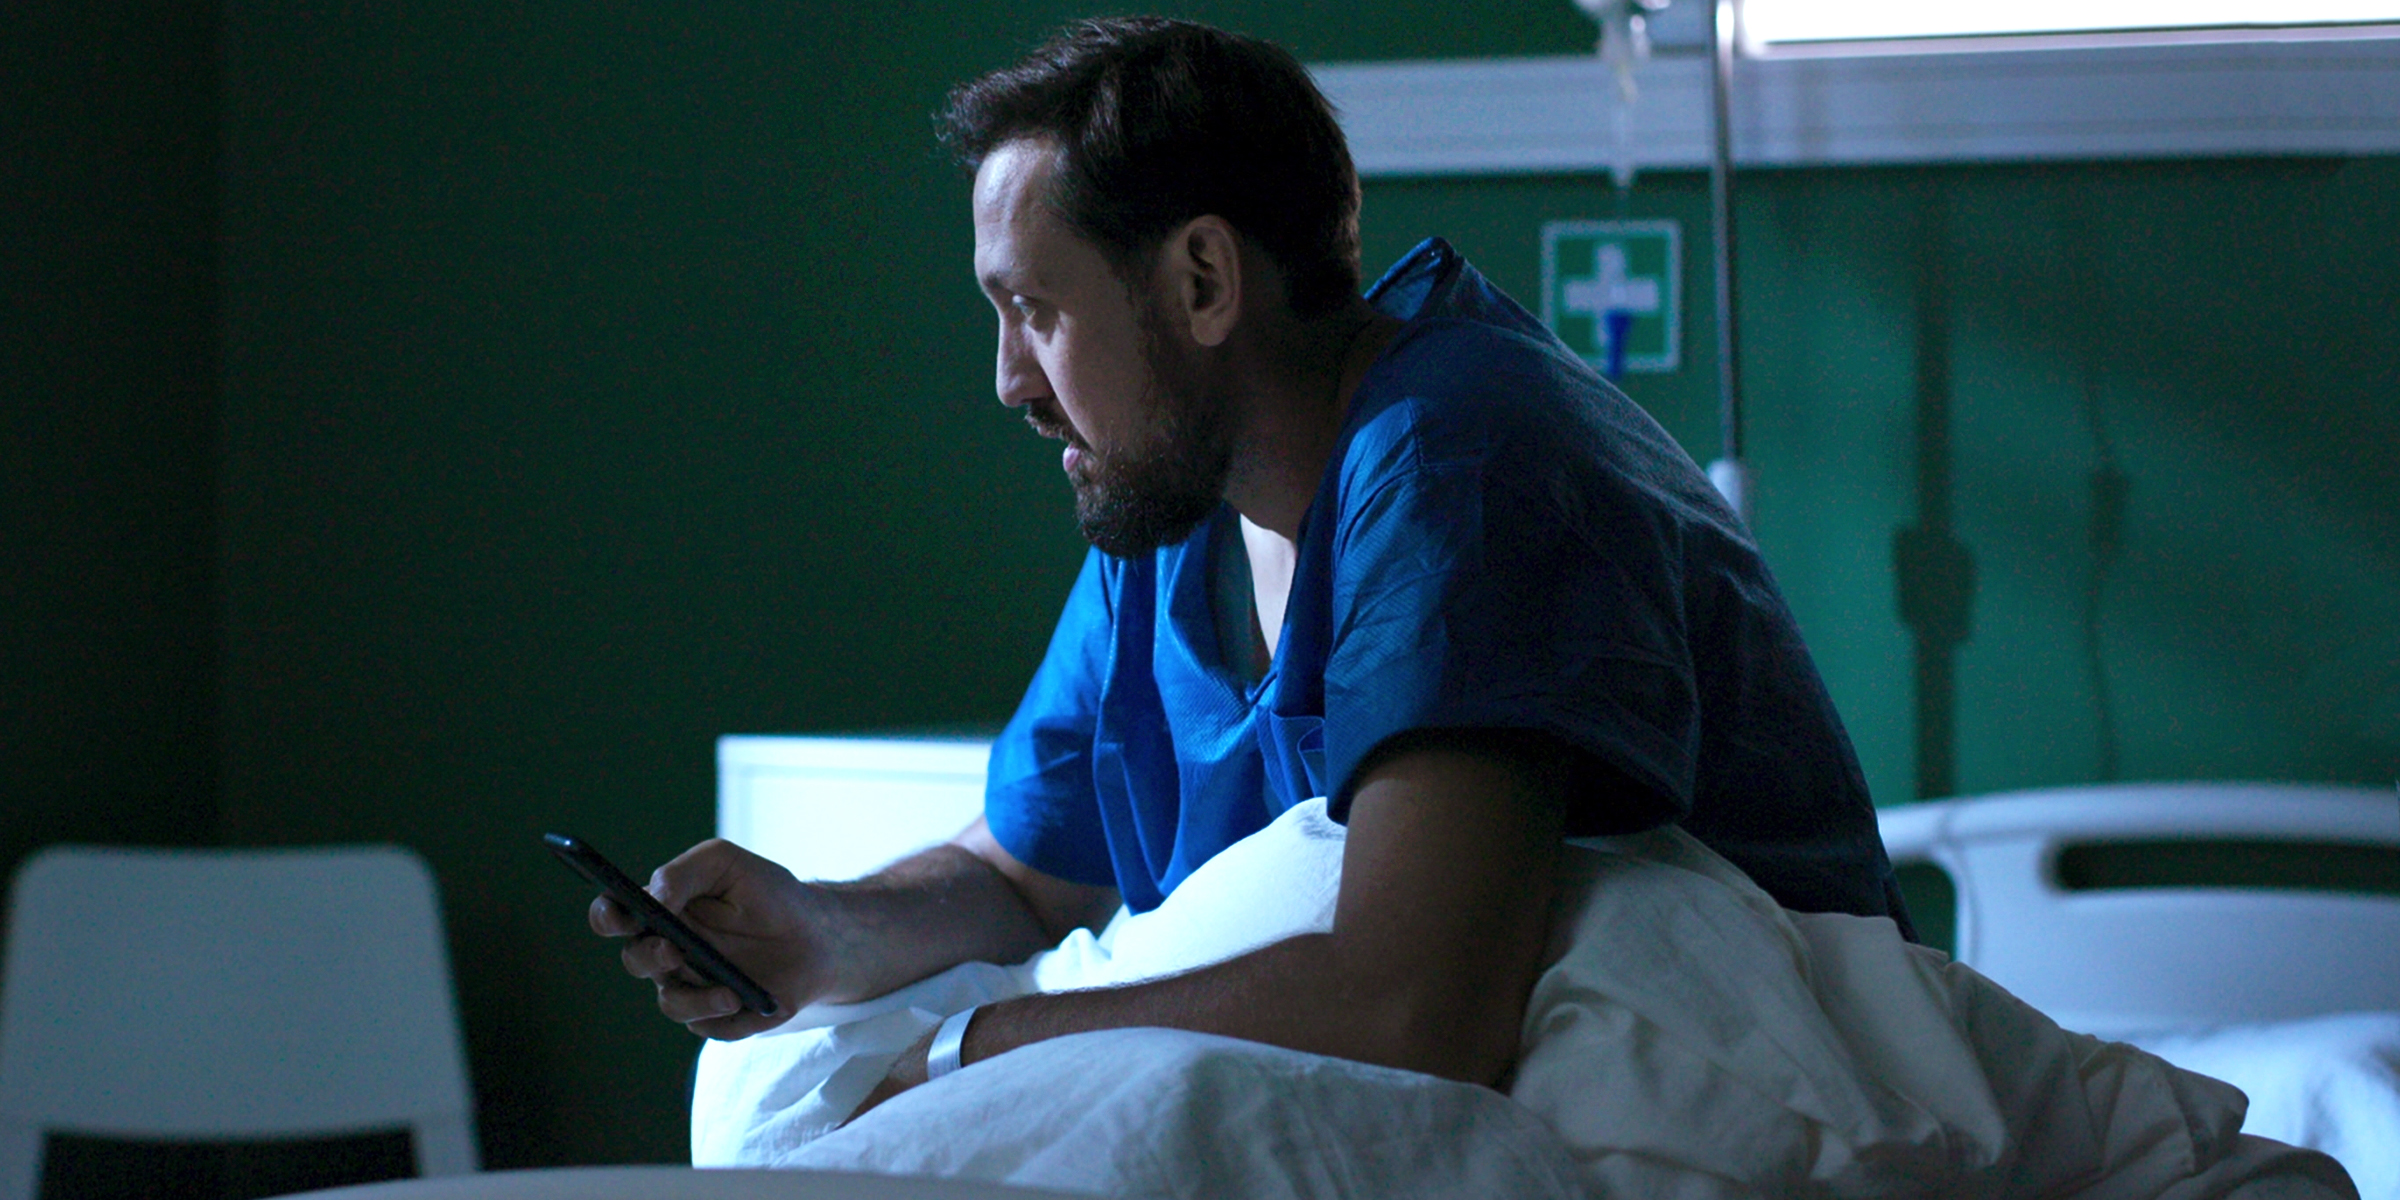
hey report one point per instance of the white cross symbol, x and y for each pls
(1608, 291)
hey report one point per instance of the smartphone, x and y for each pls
(697, 953)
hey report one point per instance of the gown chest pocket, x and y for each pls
(1294, 750)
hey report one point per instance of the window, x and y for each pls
(1770, 26)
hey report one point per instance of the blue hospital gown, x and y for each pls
(1501, 540)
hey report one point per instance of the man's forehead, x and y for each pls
(1016, 173)
(1013, 218)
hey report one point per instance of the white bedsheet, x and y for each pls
(1688, 1039)
(2330, 1082)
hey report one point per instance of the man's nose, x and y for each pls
(1017, 377)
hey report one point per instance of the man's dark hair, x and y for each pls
(1159, 121)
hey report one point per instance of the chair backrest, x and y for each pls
(2124, 959)
(218, 994)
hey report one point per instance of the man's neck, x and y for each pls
(1295, 416)
(1295, 407)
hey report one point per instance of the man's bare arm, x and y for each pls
(807, 942)
(1447, 879)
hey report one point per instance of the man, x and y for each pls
(1405, 552)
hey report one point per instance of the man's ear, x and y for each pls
(1203, 263)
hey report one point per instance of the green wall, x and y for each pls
(108, 406)
(594, 379)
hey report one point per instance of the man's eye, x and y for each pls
(1025, 307)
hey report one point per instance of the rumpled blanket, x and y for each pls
(1687, 1038)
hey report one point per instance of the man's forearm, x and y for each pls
(1302, 994)
(921, 915)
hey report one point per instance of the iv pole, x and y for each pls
(1624, 41)
(1728, 473)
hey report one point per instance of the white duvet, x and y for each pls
(1689, 1038)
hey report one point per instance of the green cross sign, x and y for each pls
(1590, 268)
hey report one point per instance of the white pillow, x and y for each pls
(1274, 884)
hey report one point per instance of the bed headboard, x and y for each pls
(2120, 958)
(839, 808)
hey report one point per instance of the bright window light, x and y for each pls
(1772, 22)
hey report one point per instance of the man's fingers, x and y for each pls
(610, 919)
(731, 1029)
(703, 870)
(656, 958)
(684, 1005)
(709, 1011)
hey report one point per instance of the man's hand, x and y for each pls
(808, 942)
(753, 911)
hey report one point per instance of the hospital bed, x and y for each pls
(2136, 912)
(2249, 931)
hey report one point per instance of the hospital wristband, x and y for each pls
(941, 1058)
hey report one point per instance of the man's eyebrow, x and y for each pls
(1010, 279)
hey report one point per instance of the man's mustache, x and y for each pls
(1051, 425)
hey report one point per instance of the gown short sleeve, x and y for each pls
(1039, 798)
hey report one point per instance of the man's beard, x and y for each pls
(1132, 502)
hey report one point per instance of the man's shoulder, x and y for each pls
(1516, 428)
(1457, 393)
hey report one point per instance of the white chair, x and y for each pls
(2150, 958)
(222, 994)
